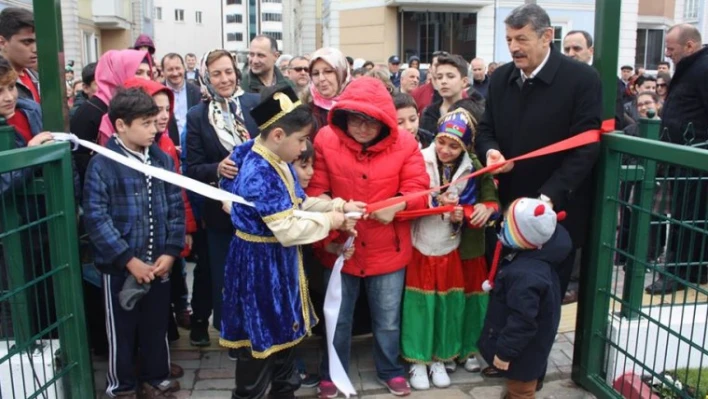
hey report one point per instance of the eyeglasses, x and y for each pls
(301, 69)
(358, 121)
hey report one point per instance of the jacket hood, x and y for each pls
(555, 251)
(106, 129)
(114, 68)
(145, 40)
(367, 96)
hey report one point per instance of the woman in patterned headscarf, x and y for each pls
(214, 128)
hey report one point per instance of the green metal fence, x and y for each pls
(43, 342)
(651, 223)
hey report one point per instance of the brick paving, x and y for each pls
(210, 374)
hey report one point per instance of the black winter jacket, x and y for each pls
(524, 309)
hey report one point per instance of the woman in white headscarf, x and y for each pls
(214, 128)
(329, 74)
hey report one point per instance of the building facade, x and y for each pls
(187, 26)
(244, 19)
(376, 29)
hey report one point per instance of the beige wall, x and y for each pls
(369, 33)
(115, 40)
(86, 9)
(656, 8)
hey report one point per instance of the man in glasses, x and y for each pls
(299, 73)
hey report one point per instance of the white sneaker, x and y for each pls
(419, 377)
(472, 365)
(439, 375)
(451, 366)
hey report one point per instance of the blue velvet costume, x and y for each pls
(266, 304)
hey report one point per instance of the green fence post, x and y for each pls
(640, 223)
(12, 246)
(50, 51)
(605, 60)
(63, 249)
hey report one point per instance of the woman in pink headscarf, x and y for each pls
(113, 68)
(329, 74)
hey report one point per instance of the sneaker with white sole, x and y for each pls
(439, 375)
(398, 386)
(472, 365)
(451, 366)
(419, 377)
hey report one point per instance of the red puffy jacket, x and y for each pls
(389, 167)
(168, 147)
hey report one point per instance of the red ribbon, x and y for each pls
(579, 140)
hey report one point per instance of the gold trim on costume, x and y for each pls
(253, 238)
(434, 292)
(286, 105)
(246, 343)
(277, 216)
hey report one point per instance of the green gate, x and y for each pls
(43, 343)
(650, 222)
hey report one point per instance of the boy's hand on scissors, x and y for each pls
(500, 364)
(481, 215)
(142, 272)
(163, 265)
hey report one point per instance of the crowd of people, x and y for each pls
(476, 270)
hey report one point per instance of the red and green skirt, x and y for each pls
(443, 307)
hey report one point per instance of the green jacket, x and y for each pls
(472, 241)
(252, 84)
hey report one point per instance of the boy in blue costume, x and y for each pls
(267, 308)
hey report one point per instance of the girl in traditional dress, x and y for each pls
(443, 303)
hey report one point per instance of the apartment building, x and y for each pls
(244, 19)
(187, 26)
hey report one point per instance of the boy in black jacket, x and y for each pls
(525, 304)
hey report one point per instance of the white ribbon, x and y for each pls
(333, 297)
(332, 304)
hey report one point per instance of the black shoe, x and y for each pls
(663, 286)
(233, 354)
(199, 334)
(309, 380)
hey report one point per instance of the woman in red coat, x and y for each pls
(362, 156)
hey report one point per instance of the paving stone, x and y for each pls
(185, 355)
(213, 360)
(221, 394)
(187, 380)
(570, 336)
(183, 394)
(369, 381)
(189, 364)
(365, 362)
(462, 376)
(559, 358)
(563, 389)
(492, 392)
(99, 380)
(447, 393)
(223, 383)
(306, 393)
(211, 374)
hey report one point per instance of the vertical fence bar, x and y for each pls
(597, 277)
(640, 228)
(605, 60)
(50, 51)
(63, 249)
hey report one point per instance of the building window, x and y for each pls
(271, 16)
(234, 19)
(690, 10)
(198, 17)
(272, 1)
(558, 36)
(179, 15)
(158, 13)
(234, 37)
(274, 35)
(232, 2)
(650, 48)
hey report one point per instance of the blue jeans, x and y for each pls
(385, 293)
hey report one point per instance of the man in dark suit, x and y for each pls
(187, 95)
(542, 98)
